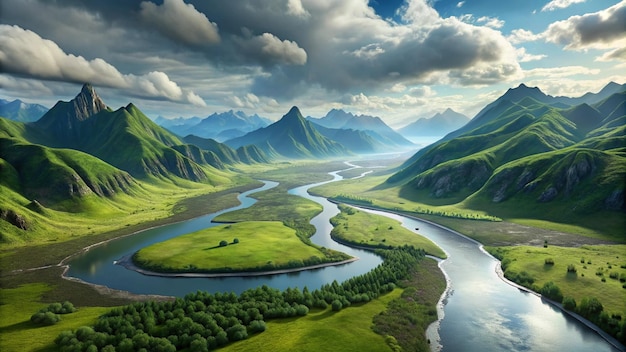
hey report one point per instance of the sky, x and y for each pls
(399, 59)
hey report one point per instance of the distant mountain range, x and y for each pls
(218, 126)
(292, 137)
(18, 110)
(384, 137)
(528, 150)
(439, 124)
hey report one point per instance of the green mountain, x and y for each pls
(524, 153)
(249, 154)
(124, 138)
(291, 137)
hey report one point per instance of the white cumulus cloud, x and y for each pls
(25, 53)
(560, 4)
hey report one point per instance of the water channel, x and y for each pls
(479, 313)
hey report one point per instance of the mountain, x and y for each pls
(218, 126)
(177, 123)
(439, 124)
(374, 126)
(248, 154)
(292, 137)
(18, 110)
(525, 153)
(360, 142)
(124, 138)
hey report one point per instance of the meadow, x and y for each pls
(364, 229)
(239, 247)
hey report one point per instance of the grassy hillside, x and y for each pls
(529, 159)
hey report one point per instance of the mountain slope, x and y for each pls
(527, 154)
(292, 137)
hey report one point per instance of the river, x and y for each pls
(480, 311)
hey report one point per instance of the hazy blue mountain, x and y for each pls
(439, 124)
(356, 141)
(218, 126)
(18, 110)
(177, 123)
(292, 137)
(523, 151)
(374, 126)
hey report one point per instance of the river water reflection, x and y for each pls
(481, 312)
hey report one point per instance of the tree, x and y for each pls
(336, 305)
(223, 243)
(552, 291)
(569, 303)
(235, 240)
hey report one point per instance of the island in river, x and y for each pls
(238, 249)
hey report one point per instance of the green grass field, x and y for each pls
(593, 264)
(263, 245)
(325, 330)
(17, 333)
(365, 229)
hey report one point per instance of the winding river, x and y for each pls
(480, 312)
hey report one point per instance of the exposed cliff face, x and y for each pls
(449, 178)
(591, 179)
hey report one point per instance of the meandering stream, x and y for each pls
(480, 311)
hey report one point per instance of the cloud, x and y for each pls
(492, 22)
(602, 29)
(617, 54)
(180, 22)
(25, 53)
(295, 8)
(523, 56)
(460, 4)
(560, 72)
(522, 35)
(270, 50)
(560, 4)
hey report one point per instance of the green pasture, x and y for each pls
(594, 266)
(261, 245)
(18, 333)
(365, 229)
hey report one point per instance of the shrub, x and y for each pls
(235, 240)
(614, 275)
(44, 318)
(223, 243)
(548, 261)
(569, 303)
(552, 291)
(336, 305)
(571, 268)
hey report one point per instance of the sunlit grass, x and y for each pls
(364, 229)
(260, 244)
(592, 263)
(17, 333)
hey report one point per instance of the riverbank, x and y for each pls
(128, 263)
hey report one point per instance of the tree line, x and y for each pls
(203, 321)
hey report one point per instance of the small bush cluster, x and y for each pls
(50, 314)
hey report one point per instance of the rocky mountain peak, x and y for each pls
(87, 103)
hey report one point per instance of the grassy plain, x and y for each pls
(17, 333)
(262, 245)
(593, 265)
(369, 230)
